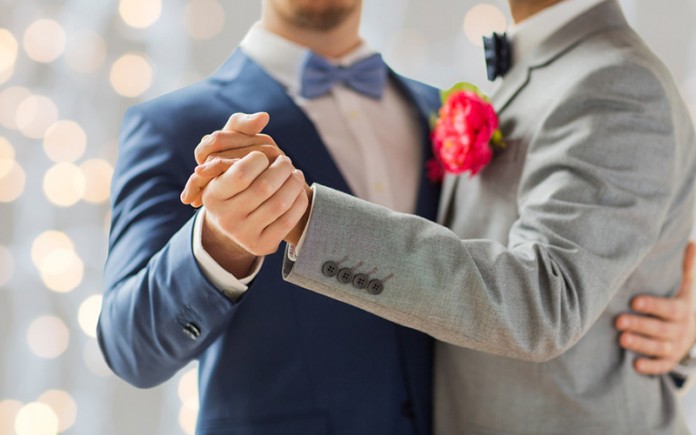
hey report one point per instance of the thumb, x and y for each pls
(685, 291)
(247, 124)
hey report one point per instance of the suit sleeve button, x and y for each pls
(330, 269)
(345, 275)
(192, 330)
(360, 281)
(375, 287)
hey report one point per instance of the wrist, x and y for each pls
(226, 252)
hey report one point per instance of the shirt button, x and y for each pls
(354, 114)
(360, 281)
(375, 287)
(192, 330)
(345, 275)
(330, 269)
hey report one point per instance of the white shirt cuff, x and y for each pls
(294, 251)
(227, 283)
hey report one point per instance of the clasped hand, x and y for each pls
(253, 196)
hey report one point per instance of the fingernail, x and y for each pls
(206, 139)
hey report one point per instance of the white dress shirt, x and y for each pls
(376, 144)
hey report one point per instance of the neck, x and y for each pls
(332, 44)
(523, 9)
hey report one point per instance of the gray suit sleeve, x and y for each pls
(599, 177)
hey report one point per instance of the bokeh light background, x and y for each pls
(68, 71)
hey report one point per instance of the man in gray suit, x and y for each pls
(592, 202)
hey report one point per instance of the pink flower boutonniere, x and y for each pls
(465, 134)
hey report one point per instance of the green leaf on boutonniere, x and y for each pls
(463, 86)
(497, 140)
(433, 120)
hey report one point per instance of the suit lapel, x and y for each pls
(255, 91)
(601, 18)
(426, 101)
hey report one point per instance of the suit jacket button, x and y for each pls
(345, 275)
(192, 330)
(360, 281)
(375, 287)
(330, 269)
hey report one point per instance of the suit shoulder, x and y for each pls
(188, 101)
(622, 53)
(429, 94)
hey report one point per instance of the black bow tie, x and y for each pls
(498, 55)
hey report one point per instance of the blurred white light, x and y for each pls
(64, 184)
(188, 414)
(48, 337)
(203, 19)
(98, 175)
(481, 20)
(65, 141)
(44, 40)
(62, 271)
(63, 405)
(86, 52)
(6, 266)
(140, 13)
(88, 315)
(12, 183)
(36, 419)
(34, 115)
(188, 386)
(7, 156)
(94, 360)
(131, 75)
(11, 98)
(8, 50)
(6, 74)
(8, 413)
(8, 54)
(46, 243)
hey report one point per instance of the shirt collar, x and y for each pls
(530, 33)
(283, 59)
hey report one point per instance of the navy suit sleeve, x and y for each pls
(159, 311)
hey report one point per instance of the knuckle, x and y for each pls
(266, 139)
(664, 348)
(661, 329)
(264, 187)
(260, 156)
(279, 205)
(241, 175)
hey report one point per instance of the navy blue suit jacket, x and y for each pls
(281, 360)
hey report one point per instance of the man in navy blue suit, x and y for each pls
(181, 287)
(272, 358)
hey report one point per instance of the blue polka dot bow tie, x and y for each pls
(498, 53)
(367, 76)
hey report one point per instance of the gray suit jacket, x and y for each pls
(591, 203)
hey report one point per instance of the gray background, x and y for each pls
(425, 40)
